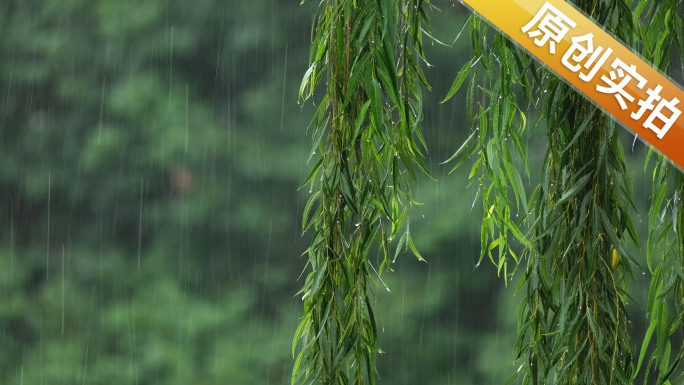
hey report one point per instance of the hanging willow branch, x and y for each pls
(572, 322)
(572, 326)
(657, 39)
(366, 130)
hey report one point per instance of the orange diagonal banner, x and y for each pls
(606, 71)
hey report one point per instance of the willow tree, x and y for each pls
(572, 320)
(366, 132)
(573, 228)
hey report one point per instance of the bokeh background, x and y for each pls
(150, 218)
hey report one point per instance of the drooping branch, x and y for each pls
(366, 129)
(665, 248)
(572, 326)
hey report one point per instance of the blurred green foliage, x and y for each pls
(148, 174)
(150, 159)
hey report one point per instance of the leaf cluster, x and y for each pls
(499, 78)
(665, 244)
(572, 322)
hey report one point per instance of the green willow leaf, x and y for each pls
(460, 78)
